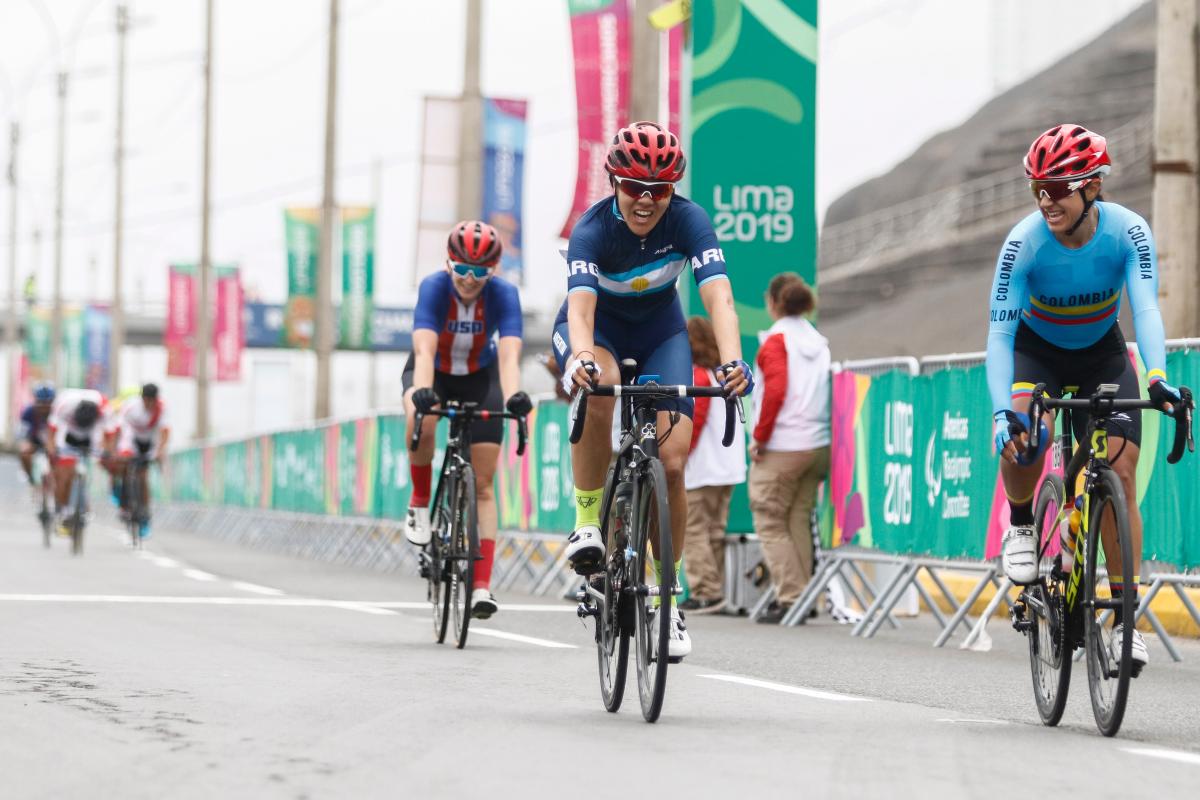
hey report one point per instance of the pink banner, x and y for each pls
(600, 40)
(229, 335)
(179, 332)
(674, 69)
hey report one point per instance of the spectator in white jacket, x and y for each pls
(789, 448)
(711, 472)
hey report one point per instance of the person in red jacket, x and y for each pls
(789, 448)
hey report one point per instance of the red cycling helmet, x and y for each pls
(474, 242)
(645, 151)
(1067, 152)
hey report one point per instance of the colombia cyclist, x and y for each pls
(625, 255)
(455, 356)
(35, 422)
(1054, 303)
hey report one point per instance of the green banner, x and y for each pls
(302, 232)
(298, 479)
(754, 68)
(358, 277)
(37, 342)
(74, 374)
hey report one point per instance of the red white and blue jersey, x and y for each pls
(466, 331)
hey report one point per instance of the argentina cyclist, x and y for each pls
(625, 256)
(1054, 304)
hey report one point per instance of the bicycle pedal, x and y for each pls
(585, 610)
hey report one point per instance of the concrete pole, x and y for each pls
(56, 329)
(645, 87)
(10, 327)
(324, 316)
(118, 311)
(470, 141)
(1176, 189)
(202, 310)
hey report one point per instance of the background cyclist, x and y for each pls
(78, 423)
(35, 421)
(142, 427)
(455, 356)
(1054, 306)
(625, 256)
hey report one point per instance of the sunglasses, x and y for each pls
(479, 273)
(1056, 191)
(658, 190)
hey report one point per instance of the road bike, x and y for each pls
(1066, 609)
(134, 494)
(448, 561)
(43, 483)
(80, 497)
(635, 525)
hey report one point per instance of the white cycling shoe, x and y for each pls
(1018, 555)
(585, 550)
(679, 644)
(483, 604)
(416, 526)
(1141, 657)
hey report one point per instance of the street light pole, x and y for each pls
(202, 318)
(56, 331)
(324, 326)
(470, 142)
(118, 311)
(10, 328)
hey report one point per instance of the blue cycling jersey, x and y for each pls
(1071, 298)
(466, 331)
(32, 423)
(635, 278)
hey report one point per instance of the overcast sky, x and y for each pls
(892, 73)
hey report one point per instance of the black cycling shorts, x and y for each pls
(481, 386)
(1036, 360)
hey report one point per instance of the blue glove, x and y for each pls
(1008, 425)
(1162, 393)
(725, 369)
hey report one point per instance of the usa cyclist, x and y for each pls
(456, 356)
(624, 258)
(35, 422)
(141, 426)
(1055, 298)
(79, 422)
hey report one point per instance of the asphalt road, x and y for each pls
(197, 669)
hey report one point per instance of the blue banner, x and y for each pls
(391, 328)
(503, 171)
(97, 344)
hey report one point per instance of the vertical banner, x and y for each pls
(180, 329)
(74, 357)
(37, 343)
(600, 41)
(754, 67)
(229, 334)
(503, 176)
(302, 232)
(97, 324)
(358, 277)
(674, 40)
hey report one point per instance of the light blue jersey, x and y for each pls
(1071, 298)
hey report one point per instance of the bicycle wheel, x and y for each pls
(1108, 678)
(612, 623)
(651, 521)
(464, 549)
(1045, 602)
(76, 522)
(45, 516)
(437, 551)
(131, 488)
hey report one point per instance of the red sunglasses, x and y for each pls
(1057, 191)
(658, 190)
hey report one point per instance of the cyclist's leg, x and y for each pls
(420, 462)
(25, 451)
(483, 387)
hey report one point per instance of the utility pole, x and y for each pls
(10, 328)
(118, 312)
(202, 312)
(56, 329)
(470, 137)
(1176, 191)
(645, 88)
(324, 327)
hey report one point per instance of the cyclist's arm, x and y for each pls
(164, 435)
(510, 328)
(1009, 289)
(717, 296)
(581, 323)
(429, 318)
(583, 284)
(424, 348)
(1141, 280)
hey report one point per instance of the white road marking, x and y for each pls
(1169, 755)
(782, 687)
(354, 605)
(413, 606)
(516, 637)
(162, 561)
(256, 589)
(199, 575)
(974, 721)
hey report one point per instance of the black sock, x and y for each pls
(1020, 513)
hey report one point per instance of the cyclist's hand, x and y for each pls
(519, 404)
(424, 399)
(755, 449)
(1165, 396)
(1011, 436)
(580, 373)
(736, 378)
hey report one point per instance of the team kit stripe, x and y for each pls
(1078, 315)
(1068, 320)
(658, 277)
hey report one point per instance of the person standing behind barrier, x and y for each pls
(789, 448)
(709, 476)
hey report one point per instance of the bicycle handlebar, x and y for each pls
(1103, 404)
(470, 412)
(578, 412)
